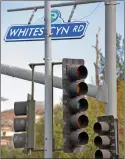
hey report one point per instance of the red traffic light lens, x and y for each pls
(82, 121)
(81, 72)
(78, 73)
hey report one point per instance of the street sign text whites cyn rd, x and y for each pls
(37, 32)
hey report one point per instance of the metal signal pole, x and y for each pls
(110, 63)
(110, 57)
(48, 83)
(124, 78)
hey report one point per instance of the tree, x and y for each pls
(96, 64)
(119, 60)
(95, 109)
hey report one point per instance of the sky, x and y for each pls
(20, 54)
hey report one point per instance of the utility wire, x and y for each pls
(38, 20)
(91, 12)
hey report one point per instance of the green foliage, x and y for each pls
(95, 109)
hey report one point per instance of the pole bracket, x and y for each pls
(47, 58)
(32, 15)
(102, 93)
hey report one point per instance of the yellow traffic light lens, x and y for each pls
(82, 88)
(78, 90)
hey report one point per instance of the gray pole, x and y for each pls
(110, 57)
(48, 83)
(57, 5)
(110, 63)
(124, 78)
(39, 77)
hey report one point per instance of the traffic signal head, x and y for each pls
(25, 110)
(20, 124)
(20, 140)
(74, 103)
(105, 139)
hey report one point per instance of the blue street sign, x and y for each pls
(75, 30)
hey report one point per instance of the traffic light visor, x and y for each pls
(98, 154)
(20, 124)
(97, 127)
(101, 127)
(20, 140)
(102, 154)
(102, 141)
(82, 104)
(83, 138)
(98, 141)
(82, 121)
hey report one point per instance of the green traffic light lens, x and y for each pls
(78, 106)
(82, 105)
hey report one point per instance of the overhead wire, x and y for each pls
(38, 20)
(90, 13)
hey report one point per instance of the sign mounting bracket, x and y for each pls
(32, 15)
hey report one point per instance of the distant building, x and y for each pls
(6, 136)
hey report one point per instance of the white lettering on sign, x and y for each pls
(66, 30)
(41, 31)
(26, 32)
(31, 29)
(36, 31)
(75, 28)
(52, 29)
(22, 32)
(81, 28)
(58, 29)
(13, 32)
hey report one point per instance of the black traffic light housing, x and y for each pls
(106, 141)
(24, 123)
(74, 105)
